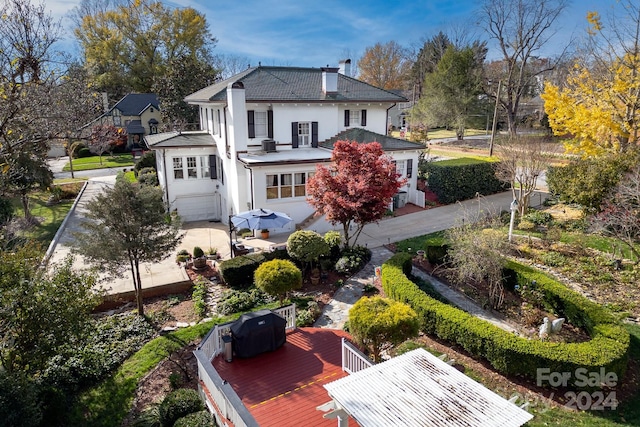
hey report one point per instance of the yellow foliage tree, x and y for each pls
(600, 103)
(600, 109)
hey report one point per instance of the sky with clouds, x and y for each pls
(316, 33)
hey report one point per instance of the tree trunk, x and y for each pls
(24, 198)
(138, 283)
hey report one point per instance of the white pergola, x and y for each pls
(418, 389)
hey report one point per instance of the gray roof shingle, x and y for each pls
(363, 136)
(134, 104)
(293, 84)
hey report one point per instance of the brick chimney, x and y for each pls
(329, 79)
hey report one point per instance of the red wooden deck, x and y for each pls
(284, 387)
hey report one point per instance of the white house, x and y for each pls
(263, 131)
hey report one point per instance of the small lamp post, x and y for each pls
(514, 208)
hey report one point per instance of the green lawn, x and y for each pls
(49, 217)
(93, 162)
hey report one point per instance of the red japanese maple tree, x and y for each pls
(356, 189)
(105, 138)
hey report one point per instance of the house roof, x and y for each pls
(134, 104)
(135, 126)
(293, 84)
(179, 140)
(298, 155)
(418, 389)
(364, 136)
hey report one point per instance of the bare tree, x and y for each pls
(619, 216)
(520, 28)
(475, 253)
(27, 77)
(230, 65)
(522, 160)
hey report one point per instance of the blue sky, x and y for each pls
(316, 33)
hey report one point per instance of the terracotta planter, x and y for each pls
(315, 280)
(264, 234)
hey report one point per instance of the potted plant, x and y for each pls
(182, 256)
(199, 260)
(264, 233)
(212, 253)
(315, 276)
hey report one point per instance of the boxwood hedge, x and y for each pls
(507, 352)
(461, 179)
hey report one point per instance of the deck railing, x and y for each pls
(353, 360)
(222, 400)
(213, 345)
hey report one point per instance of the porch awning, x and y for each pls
(135, 127)
(418, 389)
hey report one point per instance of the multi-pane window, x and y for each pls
(117, 119)
(192, 167)
(273, 190)
(286, 189)
(197, 167)
(354, 117)
(400, 167)
(260, 123)
(286, 185)
(204, 167)
(300, 180)
(304, 133)
(178, 173)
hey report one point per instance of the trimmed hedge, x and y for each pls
(507, 352)
(238, 272)
(462, 179)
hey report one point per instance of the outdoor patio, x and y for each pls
(284, 387)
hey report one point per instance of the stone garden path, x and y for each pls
(336, 312)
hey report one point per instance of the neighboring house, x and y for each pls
(399, 114)
(137, 113)
(264, 131)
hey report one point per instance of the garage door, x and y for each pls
(198, 207)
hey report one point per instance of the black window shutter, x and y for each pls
(213, 171)
(221, 174)
(269, 123)
(314, 134)
(294, 134)
(252, 123)
(409, 168)
(363, 118)
(346, 118)
(219, 124)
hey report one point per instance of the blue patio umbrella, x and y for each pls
(259, 219)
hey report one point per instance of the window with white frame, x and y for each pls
(197, 167)
(304, 133)
(117, 117)
(204, 167)
(354, 117)
(260, 123)
(192, 167)
(401, 167)
(287, 185)
(178, 173)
